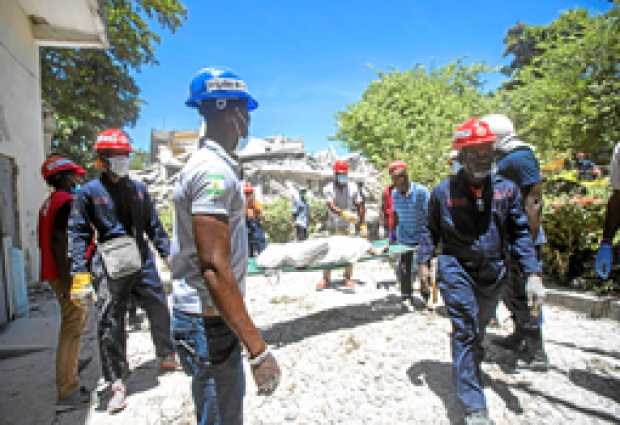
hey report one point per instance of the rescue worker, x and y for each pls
(210, 258)
(116, 207)
(515, 160)
(342, 200)
(256, 235)
(475, 216)
(387, 204)
(62, 175)
(301, 215)
(604, 256)
(410, 206)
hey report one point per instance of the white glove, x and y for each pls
(535, 291)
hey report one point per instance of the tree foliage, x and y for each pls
(90, 90)
(139, 160)
(411, 115)
(565, 87)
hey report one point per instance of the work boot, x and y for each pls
(534, 356)
(512, 341)
(78, 399)
(478, 418)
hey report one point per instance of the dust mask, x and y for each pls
(119, 165)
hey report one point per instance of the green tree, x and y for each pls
(90, 90)
(566, 95)
(139, 160)
(411, 115)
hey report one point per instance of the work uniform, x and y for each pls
(53, 217)
(411, 209)
(209, 350)
(474, 234)
(521, 166)
(256, 234)
(113, 210)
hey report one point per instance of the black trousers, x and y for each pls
(112, 299)
(404, 274)
(302, 233)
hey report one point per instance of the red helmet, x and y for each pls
(341, 166)
(247, 188)
(55, 164)
(472, 132)
(113, 140)
(397, 165)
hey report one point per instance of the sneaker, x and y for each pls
(478, 418)
(77, 399)
(169, 363)
(537, 362)
(118, 401)
(323, 284)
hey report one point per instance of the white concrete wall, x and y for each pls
(20, 103)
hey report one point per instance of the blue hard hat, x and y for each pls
(214, 83)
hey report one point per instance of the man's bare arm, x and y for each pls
(212, 235)
(533, 203)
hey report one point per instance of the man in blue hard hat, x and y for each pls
(210, 256)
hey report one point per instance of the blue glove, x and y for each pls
(604, 259)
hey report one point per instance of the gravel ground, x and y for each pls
(358, 358)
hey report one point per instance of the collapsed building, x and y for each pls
(277, 166)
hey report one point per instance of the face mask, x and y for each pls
(342, 178)
(76, 188)
(119, 165)
(456, 166)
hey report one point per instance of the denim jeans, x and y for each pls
(210, 353)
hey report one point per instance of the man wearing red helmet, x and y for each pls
(475, 216)
(121, 212)
(63, 175)
(345, 207)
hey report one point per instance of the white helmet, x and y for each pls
(501, 125)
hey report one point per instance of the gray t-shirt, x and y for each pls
(345, 197)
(208, 184)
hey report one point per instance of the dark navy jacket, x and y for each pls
(94, 208)
(478, 240)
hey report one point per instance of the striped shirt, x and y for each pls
(412, 210)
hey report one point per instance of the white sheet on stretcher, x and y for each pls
(314, 252)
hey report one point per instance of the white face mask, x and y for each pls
(119, 165)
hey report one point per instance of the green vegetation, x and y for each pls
(139, 160)
(411, 115)
(101, 80)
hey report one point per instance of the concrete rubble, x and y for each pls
(276, 166)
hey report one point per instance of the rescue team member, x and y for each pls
(515, 160)
(116, 206)
(410, 204)
(210, 258)
(604, 257)
(342, 199)
(474, 216)
(301, 215)
(387, 205)
(256, 234)
(62, 175)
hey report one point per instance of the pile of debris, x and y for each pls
(276, 166)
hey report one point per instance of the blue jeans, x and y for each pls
(470, 305)
(210, 353)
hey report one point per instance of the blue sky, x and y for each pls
(306, 60)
